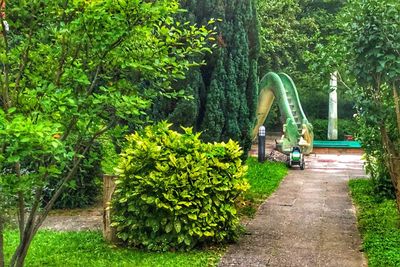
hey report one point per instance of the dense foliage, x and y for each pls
(225, 89)
(84, 189)
(285, 36)
(345, 127)
(175, 192)
(374, 45)
(300, 37)
(378, 222)
(72, 71)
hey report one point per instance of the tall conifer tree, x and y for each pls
(225, 89)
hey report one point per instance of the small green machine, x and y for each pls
(296, 157)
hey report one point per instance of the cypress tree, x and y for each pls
(181, 112)
(215, 100)
(225, 89)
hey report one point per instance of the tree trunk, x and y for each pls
(16, 258)
(397, 105)
(36, 219)
(21, 204)
(109, 233)
(23, 252)
(393, 163)
(1, 242)
(394, 170)
(20, 258)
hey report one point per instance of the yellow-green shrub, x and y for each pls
(175, 192)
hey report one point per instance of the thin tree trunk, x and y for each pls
(31, 230)
(32, 226)
(392, 162)
(29, 225)
(21, 203)
(397, 105)
(5, 86)
(1, 242)
(24, 251)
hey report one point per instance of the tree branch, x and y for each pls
(69, 176)
(6, 86)
(1, 241)
(23, 63)
(61, 63)
(94, 80)
(21, 203)
(341, 80)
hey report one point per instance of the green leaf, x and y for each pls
(13, 159)
(208, 233)
(25, 140)
(55, 144)
(168, 227)
(188, 241)
(177, 226)
(11, 110)
(192, 216)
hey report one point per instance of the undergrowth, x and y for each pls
(379, 224)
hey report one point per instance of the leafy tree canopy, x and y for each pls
(70, 71)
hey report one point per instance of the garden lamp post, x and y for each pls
(261, 143)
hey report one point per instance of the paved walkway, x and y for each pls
(308, 221)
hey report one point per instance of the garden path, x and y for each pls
(75, 220)
(308, 221)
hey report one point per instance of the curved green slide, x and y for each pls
(297, 131)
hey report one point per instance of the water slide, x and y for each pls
(297, 131)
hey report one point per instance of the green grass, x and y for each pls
(379, 224)
(88, 249)
(264, 179)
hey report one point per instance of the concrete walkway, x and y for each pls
(308, 221)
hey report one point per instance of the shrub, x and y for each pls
(369, 134)
(345, 127)
(378, 222)
(176, 192)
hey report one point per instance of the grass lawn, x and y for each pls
(88, 248)
(264, 179)
(379, 224)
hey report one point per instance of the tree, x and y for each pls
(225, 89)
(285, 36)
(374, 38)
(299, 37)
(71, 70)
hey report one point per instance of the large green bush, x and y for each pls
(176, 192)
